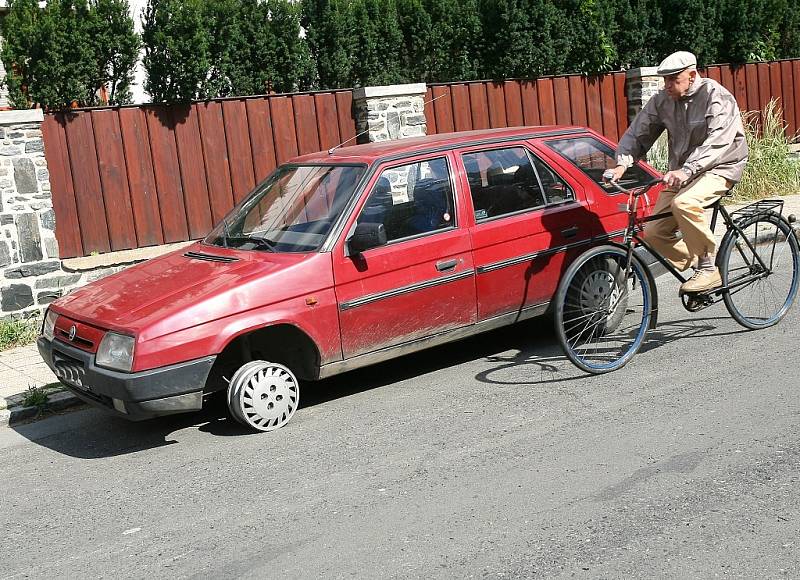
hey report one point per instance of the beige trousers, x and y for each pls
(689, 217)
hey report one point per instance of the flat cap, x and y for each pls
(676, 62)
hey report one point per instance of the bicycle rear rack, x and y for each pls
(761, 207)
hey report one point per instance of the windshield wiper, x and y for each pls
(225, 233)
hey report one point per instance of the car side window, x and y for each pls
(510, 180)
(593, 157)
(411, 199)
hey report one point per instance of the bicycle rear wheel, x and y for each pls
(759, 298)
(602, 315)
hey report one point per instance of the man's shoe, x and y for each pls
(702, 281)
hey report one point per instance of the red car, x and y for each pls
(339, 260)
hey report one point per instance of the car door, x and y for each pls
(422, 281)
(527, 217)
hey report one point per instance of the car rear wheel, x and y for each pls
(263, 395)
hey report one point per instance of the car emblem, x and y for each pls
(72, 332)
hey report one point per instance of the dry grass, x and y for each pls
(18, 331)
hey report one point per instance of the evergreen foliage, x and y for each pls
(71, 52)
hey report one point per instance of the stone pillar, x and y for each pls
(390, 112)
(640, 85)
(28, 248)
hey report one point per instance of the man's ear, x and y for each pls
(692, 74)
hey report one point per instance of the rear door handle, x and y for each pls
(570, 232)
(447, 265)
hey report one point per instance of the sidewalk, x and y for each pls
(22, 367)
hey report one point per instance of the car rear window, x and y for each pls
(593, 157)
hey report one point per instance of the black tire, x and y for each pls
(601, 317)
(767, 297)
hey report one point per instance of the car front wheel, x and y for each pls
(263, 395)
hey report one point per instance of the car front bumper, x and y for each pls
(163, 391)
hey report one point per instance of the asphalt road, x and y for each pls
(490, 458)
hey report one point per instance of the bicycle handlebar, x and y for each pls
(639, 190)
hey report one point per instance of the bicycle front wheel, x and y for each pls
(602, 314)
(760, 291)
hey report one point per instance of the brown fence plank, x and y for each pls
(283, 129)
(215, 158)
(261, 136)
(305, 122)
(86, 181)
(714, 73)
(608, 104)
(497, 105)
(141, 181)
(740, 86)
(513, 97)
(577, 100)
(547, 106)
(775, 83)
(787, 89)
(68, 233)
(344, 110)
(763, 85)
(193, 178)
(443, 109)
(462, 109)
(594, 108)
(726, 78)
(563, 105)
(480, 106)
(622, 103)
(796, 82)
(430, 114)
(327, 120)
(240, 155)
(167, 173)
(114, 179)
(530, 103)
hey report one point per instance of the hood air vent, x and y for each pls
(210, 257)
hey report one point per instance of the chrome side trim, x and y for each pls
(528, 257)
(369, 298)
(391, 352)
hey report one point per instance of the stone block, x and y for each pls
(43, 175)
(48, 296)
(48, 219)
(14, 134)
(15, 297)
(29, 239)
(51, 247)
(57, 281)
(5, 255)
(10, 150)
(34, 146)
(35, 269)
(25, 176)
(2, 133)
(415, 120)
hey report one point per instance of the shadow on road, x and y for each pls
(92, 434)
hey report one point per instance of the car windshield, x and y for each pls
(292, 211)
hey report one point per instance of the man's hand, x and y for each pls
(614, 174)
(675, 178)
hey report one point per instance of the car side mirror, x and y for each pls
(367, 235)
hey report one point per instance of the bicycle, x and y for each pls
(607, 299)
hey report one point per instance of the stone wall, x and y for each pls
(640, 85)
(390, 112)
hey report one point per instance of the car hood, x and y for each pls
(177, 291)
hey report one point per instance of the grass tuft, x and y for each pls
(35, 397)
(18, 331)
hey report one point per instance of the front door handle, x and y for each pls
(446, 265)
(570, 232)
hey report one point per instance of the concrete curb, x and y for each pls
(55, 402)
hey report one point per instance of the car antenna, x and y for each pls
(356, 136)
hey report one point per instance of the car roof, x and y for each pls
(370, 152)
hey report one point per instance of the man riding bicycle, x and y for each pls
(707, 154)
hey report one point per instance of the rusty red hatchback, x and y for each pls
(339, 260)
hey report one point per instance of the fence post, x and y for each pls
(640, 85)
(390, 112)
(28, 246)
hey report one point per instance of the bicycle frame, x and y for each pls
(635, 223)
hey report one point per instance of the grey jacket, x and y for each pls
(704, 129)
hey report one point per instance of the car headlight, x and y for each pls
(49, 325)
(115, 352)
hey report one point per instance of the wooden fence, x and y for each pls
(129, 177)
(138, 176)
(598, 102)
